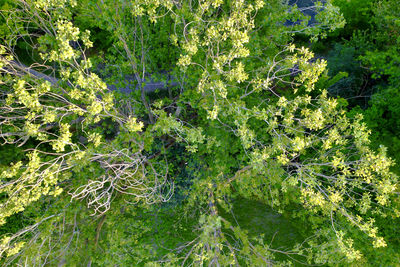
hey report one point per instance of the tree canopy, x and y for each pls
(98, 169)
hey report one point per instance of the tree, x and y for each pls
(245, 117)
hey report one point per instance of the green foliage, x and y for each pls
(357, 13)
(374, 35)
(381, 117)
(356, 86)
(371, 41)
(165, 179)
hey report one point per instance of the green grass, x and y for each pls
(260, 220)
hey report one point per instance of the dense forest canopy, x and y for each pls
(199, 132)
